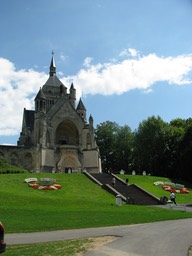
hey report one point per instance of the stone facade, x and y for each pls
(56, 136)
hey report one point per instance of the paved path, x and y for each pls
(166, 238)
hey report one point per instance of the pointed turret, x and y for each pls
(81, 105)
(91, 120)
(81, 110)
(72, 95)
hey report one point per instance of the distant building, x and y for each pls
(56, 136)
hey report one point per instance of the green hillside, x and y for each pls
(79, 204)
(6, 168)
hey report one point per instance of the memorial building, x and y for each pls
(56, 136)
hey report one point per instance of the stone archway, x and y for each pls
(14, 158)
(67, 133)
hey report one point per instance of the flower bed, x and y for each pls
(43, 184)
(172, 187)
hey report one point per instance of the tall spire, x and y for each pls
(52, 71)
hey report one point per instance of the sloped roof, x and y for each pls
(54, 81)
(80, 105)
(72, 87)
(40, 95)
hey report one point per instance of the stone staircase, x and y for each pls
(131, 194)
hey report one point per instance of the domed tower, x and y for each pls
(53, 88)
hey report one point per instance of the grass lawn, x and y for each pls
(67, 248)
(79, 204)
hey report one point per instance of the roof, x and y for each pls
(40, 95)
(54, 81)
(81, 105)
(72, 87)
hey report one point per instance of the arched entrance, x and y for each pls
(69, 159)
(14, 158)
(67, 141)
(67, 133)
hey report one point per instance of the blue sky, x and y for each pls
(128, 59)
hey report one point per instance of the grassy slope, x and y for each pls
(79, 204)
(6, 168)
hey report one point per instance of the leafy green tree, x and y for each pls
(157, 147)
(176, 134)
(151, 146)
(123, 148)
(185, 171)
(178, 123)
(106, 137)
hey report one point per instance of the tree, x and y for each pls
(115, 144)
(185, 171)
(157, 147)
(151, 146)
(106, 137)
(123, 148)
(177, 131)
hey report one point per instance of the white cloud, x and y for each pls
(17, 90)
(87, 62)
(129, 74)
(128, 52)
(133, 52)
(19, 87)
